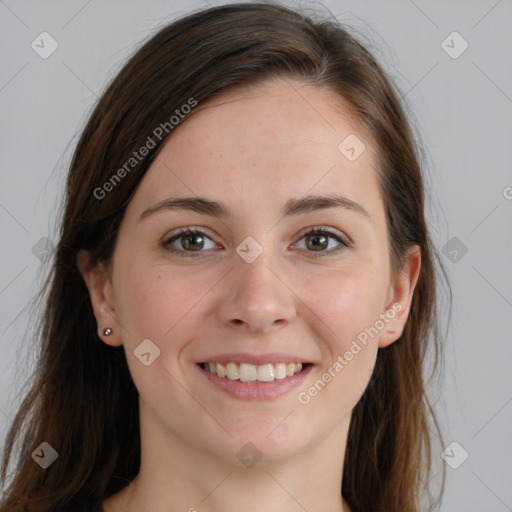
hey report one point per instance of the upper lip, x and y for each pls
(255, 359)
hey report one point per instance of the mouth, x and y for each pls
(256, 380)
(247, 372)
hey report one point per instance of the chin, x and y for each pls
(261, 442)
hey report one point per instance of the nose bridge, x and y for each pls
(257, 295)
(257, 280)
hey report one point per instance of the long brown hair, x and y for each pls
(82, 400)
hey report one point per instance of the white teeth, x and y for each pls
(280, 371)
(232, 371)
(250, 373)
(266, 373)
(221, 370)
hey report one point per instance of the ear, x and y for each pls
(101, 291)
(399, 297)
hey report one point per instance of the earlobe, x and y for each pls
(100, 289)
(401, 292)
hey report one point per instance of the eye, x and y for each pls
(192, 241)
(317, 239)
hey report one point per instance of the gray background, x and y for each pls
(462, 108)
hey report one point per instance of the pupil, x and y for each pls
(315, 243)
(188, 242)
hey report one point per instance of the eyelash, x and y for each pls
(317, 230)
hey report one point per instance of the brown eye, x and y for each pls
(192, 242)
(318, 241)
(187, 242)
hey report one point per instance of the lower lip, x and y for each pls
(256, 390)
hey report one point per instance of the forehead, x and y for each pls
(270, 141)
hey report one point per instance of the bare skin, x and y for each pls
(253, 151)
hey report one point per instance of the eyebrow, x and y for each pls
(292, 207)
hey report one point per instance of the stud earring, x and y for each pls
(107, 332)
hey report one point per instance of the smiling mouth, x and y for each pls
(246, 372)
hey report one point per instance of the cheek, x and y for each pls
(347, 302)
(155, 302)
(158, 304)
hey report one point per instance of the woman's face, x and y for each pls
(253, 288)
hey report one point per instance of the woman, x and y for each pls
(244, 289)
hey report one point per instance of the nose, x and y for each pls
(256, 297)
